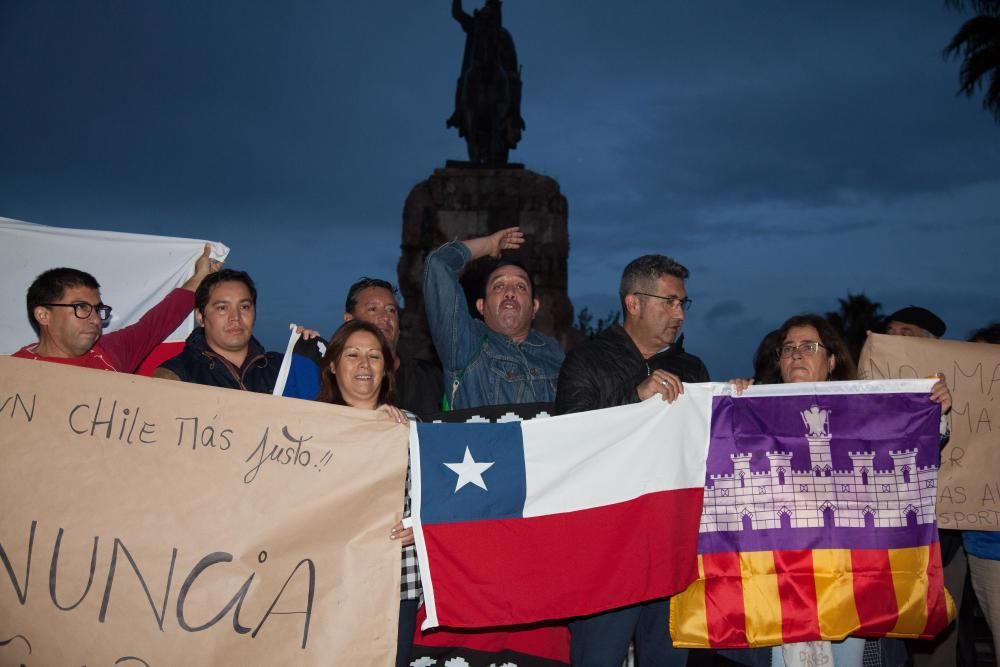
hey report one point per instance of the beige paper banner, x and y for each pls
(150, 521)
(969, 479)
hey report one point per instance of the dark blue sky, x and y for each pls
(787, 153)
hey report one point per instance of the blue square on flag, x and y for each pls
(471, 472)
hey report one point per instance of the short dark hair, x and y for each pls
(988, 334)
(641, 272)
(362, 284)
(329, 391)
(50, 286)
(843, 368)
(491, 266)
(222, 276)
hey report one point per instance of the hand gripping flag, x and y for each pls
(818, 518)
(136, 271)
(540, 645)
(554, 518)
(299, 375)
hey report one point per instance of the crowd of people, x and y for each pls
(499, 359)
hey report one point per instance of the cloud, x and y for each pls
(724, 310)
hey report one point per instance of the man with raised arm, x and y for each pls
(66, 311)
(500, 359)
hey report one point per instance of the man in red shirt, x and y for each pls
(65, 310)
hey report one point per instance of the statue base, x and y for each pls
(466, 200)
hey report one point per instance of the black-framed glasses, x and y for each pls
(672, 301)
(806, 349)
(82, 309)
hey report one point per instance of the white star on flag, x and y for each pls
(469, 471)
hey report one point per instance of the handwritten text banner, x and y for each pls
(969, 479)
(149, 521)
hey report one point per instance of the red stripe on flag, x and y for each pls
(937, 606)
(727, 623)
(874, 595)
(160, 353)
(543, 640)
(512, 571)
(797, 592)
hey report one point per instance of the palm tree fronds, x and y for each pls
(975, 34)
(979, 6)
(976, 68)
(977, 42)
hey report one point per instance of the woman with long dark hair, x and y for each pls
(357, 371)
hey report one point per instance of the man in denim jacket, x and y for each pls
(500, 359)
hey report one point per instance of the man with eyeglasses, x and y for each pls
(626, 364)
(66, 311)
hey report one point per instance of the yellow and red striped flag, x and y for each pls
(819, 518)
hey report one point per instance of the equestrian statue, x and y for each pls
(488, 94)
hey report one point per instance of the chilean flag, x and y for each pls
(136, 272)
(560, 517)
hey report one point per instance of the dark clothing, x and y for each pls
(602, 640)
(200, 365)
(604, 371)
(419, 386)
(407, 628)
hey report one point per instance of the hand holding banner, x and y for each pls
(182, 524)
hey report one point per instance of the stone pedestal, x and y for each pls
(467, 202)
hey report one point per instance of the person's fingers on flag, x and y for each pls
(307, 334)
(668, 385)
(941, 394)
(740, 385)
(654, 384)
(396, 414)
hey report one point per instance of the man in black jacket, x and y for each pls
(221, 351)
(627, 364)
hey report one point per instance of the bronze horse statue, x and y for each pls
(488, 95)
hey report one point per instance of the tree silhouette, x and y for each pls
(977, 42)
(585, 322)
(856, 316)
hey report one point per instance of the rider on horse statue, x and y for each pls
(488, 95)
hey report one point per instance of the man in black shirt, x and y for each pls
(627, 364)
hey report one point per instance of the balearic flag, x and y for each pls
(818, 518)
(559, 517)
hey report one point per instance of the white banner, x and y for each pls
(135, 271)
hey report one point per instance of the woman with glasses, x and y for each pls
(806, 348)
